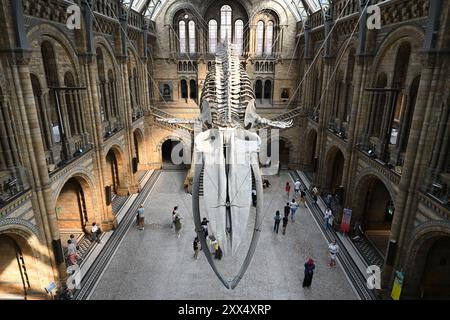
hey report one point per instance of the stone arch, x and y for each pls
(44, 31)
(368, 173)
(163, 153)
(286, 152)
(412, 34)
(419, 252)
(334, 164)
(101, 42)
(22, 263)
(277, 8)
(311, 149)
(170, 137)
(138, 144)
(174, 9)
(374, 207)
(116, 171)
(75, 203)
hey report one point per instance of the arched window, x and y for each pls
(50, 65)
(42, 115)
(379, 105)
(184, 89)
(70, 104)
(268, 89)
(225, 23)
(212, 36)
(400, 73)
(258, 89)
(191, 37)
(259, 38)
(239, 35)
(193, 89)
(137, 88)
(113, 93)
(51, 75)
(269, 38)
(182, 36)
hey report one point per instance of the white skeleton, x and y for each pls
(227, 148)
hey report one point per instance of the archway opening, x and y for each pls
(335, 170)
(376, 211)
(15, 282)
(311, 160)
(284, 154)
(435, 282)
(138, 152)
(113, 177)
(258, 89)
(268, 91)
(184, 89)
(193, 90)
(73, 207)
(167, 149)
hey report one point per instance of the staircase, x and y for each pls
(83, 242)
(117, 203)
(200, 189)
(84, 245)
(368, 251)
(157, 113)
(286, 116)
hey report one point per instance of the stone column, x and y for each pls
(89, 70)
(43, 209)
(320, 177)
(414, 166)
(5, 138)
(132, 186)
(352, 134)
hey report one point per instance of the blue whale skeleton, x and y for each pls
(227, 153)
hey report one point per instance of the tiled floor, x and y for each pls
(155, 264)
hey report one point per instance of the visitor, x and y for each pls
(95, 233)
(333, 249)
(287, 210)
(196, 245)
(287, 188)
(174, 212)
(205, 227)
(303, 198)
(71, 253)
(328, 200)
(266, 183)
(285, 222)
(217, 250)
(178, 225)
(277, 219)
(294, 206)
(315, 194)
(309, 272)
(141, 213)
(74, 241)
(297, 186)
(254, 197)
(330, 220)
(326, 218)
